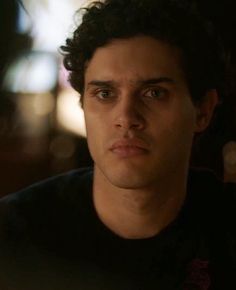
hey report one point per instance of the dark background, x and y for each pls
(20, 167)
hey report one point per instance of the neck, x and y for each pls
(138, 213)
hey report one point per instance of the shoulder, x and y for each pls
(63, 185)
(214, 199)
(214, 207)
(204, 179)
(44, 208)
(230, 192)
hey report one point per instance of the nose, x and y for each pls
(129, 114)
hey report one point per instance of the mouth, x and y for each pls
(129, 148)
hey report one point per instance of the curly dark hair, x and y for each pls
(176, 22)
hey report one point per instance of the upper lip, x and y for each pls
(129, 143)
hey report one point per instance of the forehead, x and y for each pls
(135, 58)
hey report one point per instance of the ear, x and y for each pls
(205, 110)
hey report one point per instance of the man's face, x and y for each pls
(139, 115)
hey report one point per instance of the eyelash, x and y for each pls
(163, 92)
(110, 94)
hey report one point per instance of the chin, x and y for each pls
(129, 180)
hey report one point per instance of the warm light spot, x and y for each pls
(70, 115)
(43, 104)
(229, 156)
(33, 111)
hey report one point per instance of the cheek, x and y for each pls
(90, 130)
(95, 125)
(95, 133)
(177, 125)
(186, 115)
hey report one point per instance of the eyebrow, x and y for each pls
(111, 83)
(153, 81)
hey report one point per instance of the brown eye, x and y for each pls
(156, 93)
(104, 95)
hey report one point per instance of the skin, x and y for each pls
(140, 123)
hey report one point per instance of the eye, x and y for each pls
(104, 94)
(156, 93)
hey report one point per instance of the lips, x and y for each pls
(129, 147)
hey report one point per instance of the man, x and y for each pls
(150, 74)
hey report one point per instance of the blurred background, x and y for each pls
(41, 123)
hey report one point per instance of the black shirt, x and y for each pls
(51, 238)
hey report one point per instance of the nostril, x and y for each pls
(128, 122)
(129, 113)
